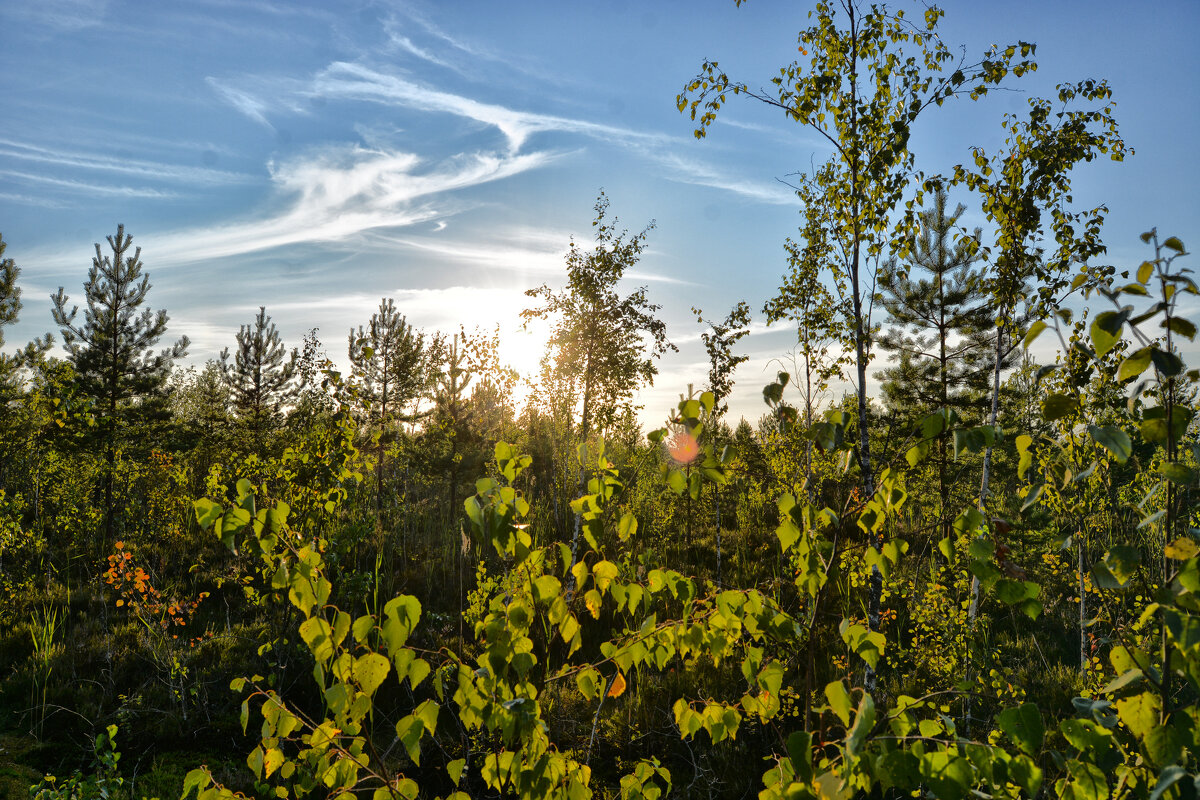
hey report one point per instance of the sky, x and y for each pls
(316, 157)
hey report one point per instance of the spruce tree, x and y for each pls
(260, 377)
(112, 350)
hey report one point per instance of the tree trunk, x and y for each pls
(1083, 638)
(973, 610)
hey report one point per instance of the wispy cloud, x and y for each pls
(125, 166)
(41, 202)
(90, 188)
(533, 252)
(346, 80)
(337, 193)
(404, 43)
(685, 170)
(756, 329)
(432, 29)
(244, 102)
(65, 15)
(354, 81)
(521, 63)
(268, 94)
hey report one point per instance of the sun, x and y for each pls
(522, 349)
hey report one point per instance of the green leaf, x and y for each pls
(1087, 782)
(1182, 549)
(1166, 779)
(427, 712)
(1113, 439)
(1177, 473)
(455, 769)
(1026, 774)
(588, 682)
(196, 779)
(864, 720)
(799, 749)
(1165, 362)
(409, 730)
(627, 527)
(1057, 406)
(546, 588)
(1162, 742)
(1129, 677)
(1134, 365)
(370, 671)
(1139, 713)
(1181, 326)
(1023, 725)
(1011, 592)
(1035, 330)
(401, 615)
(1173, 243)
(949, 775)
(898, 769)
(1106, 331)
(604, 573)
(839, 700)
(207, 512)
(316, 633)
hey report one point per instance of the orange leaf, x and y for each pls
(618, 686)
(120, 603)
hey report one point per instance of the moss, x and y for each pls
(18, 754)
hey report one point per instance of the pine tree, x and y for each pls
(387, 360)
(10, 295)
(10, 306)
(938, 319)
(450, 414)
(261, 382)
(941, 332)
(14, 424)
(112, 350)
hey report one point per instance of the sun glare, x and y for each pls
(522, 349)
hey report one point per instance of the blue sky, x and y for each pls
(316, 157)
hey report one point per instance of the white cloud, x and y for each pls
(125, 166)
(354, 81)
(406, 44)
(340, 192)
(687, 170)
(244, 102)
(90, 188)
